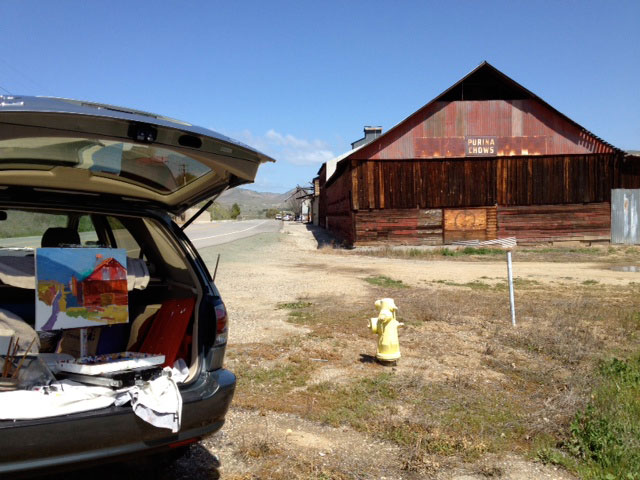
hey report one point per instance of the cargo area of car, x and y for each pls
(137, 303)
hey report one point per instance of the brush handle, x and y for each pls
(15, 372)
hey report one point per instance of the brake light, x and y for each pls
(184, 443)
(221, 324)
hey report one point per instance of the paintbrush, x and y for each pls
(12, 358)
(15, 372)
(6, 358)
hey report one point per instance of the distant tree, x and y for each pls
(235, 211)
(271, 213)
(219, 212)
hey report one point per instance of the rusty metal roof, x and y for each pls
(485, 82)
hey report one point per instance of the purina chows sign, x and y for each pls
(480, 146)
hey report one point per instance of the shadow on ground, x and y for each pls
(196, 463)
(323, 237)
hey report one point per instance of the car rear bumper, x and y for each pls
(48, 444)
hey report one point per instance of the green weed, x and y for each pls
(384, 281)
(482, 251)
(293, 305)
(604, 437)
(475, 284)
(277, 379)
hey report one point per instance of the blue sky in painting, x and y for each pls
(60, 263)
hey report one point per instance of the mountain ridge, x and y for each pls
(253, 203)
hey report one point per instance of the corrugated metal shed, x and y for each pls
(625, 207)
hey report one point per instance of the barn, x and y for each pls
(486, 159)
(106, 285)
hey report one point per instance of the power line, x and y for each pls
(2, 88)
(26, 77)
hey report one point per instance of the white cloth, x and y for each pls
(19, 271)
(157, 402)
(61, 398)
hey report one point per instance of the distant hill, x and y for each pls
(633, 152)
(253, 204)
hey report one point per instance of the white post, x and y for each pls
(511, 299)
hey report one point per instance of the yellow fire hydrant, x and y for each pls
(386, 326)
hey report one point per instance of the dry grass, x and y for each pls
(468, 383)
(627, 255)
(279, 468)
(255, 448)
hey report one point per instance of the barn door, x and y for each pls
(625, 206)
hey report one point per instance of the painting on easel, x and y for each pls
(80, 287)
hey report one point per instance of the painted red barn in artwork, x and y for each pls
(107, 285)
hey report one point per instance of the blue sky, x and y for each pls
(300, 79)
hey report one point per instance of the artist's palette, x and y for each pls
(113, 362)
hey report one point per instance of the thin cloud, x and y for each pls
(288, 148)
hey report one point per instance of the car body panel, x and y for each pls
(111, 432)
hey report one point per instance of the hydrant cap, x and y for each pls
(386, 304)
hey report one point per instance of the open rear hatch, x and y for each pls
(67, 262)
(68, 145)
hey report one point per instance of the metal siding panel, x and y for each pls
(516, 118)
(524, 127)
(450, 117)
(460, 119)
(439, 120)
(406, 145)
(625, 206)
(473, 118)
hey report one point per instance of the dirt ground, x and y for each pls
(300, 347)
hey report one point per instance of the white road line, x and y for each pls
(230, 233)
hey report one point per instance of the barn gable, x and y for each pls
(485, 103)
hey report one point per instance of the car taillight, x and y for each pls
(221, 325)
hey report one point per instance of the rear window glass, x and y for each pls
(157, 168)
(25, 229)
(123, 238)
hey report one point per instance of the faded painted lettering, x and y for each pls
(480, 146)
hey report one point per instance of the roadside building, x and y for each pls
(486, 159)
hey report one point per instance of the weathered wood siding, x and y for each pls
(627, 172)
(542, 223)
(469, 224)
(398, 227)
(555, 180)
(470, 182)
(322, 204)
(423, 183)
(339, 214)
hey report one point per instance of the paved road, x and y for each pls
(201, 234)
(208, 234)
